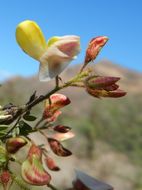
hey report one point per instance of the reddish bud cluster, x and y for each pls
(103, 87)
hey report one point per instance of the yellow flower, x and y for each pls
(54, 55)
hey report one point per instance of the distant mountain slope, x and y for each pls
(130, 81)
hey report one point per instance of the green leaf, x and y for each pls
(24, 128)
(3, 127)
(29, 117)
(2, 133)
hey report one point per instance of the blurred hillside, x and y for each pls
(108, 131)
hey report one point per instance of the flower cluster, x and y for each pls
(15, 127)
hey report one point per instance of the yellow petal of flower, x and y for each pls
(52, 40)
(30, 38)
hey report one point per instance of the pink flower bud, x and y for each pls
(50, 163)
(59, 100)
(94, 47)
(14, 144)
(51, 111)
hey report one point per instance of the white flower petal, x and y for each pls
(52, 63)
(57, 57)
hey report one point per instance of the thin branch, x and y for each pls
(37, 124)
(52, 187)
(57, 81)
(14, 126)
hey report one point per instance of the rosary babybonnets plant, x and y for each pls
(53, 57)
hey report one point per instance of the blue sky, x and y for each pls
(120, 20)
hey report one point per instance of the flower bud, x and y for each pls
(57, 148)
(58, 101)
(62, 128)
(5, 179)
(14, 144)
(94, 47)
(113, 87)
(101, 82)
(104, 93)
(50, 163)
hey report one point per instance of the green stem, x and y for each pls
(52, 187)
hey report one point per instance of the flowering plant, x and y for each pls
(53, 56)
